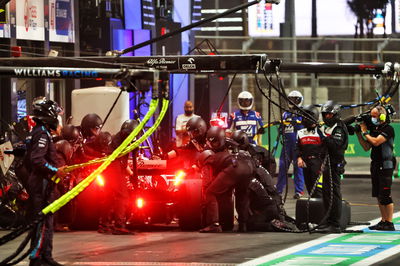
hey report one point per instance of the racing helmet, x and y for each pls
(241, 137)
(312, 112)
(64, 147)
(70, 133)
(89, 122)
(202, 158)
(38, 100)
(103, 140)
(245, 100)
(47, 112)
(296, 97)
(128, 126)
(196, 128)
(216, 138)
(330, 107)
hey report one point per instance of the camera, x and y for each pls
(364, 117)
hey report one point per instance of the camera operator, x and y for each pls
(380, 139)
(335, 139)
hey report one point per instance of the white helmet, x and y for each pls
(245, 100)
(296, 97)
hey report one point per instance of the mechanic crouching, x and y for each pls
(228, 172)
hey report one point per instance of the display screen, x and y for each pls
(264, 19)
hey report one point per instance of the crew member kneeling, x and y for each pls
(227, 171)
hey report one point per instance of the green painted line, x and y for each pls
(369, 238)
(307, 260)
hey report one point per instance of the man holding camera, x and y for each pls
(379, 137)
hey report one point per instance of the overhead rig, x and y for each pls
(111, 67)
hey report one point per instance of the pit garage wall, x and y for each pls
(353, 152)
(45, 31)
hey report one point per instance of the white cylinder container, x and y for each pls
(99, 100)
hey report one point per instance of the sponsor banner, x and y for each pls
(5, 21)
(190, 64)
(61, 21)
(30, 19)
(161, 63)
(55, 73)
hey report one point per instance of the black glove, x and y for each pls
(350, 129)
(17, 151)
(261, 131)
(357, 128)
(320, 134)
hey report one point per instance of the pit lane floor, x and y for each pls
(167, 245)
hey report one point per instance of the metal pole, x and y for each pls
(245, 47)
(188, 27)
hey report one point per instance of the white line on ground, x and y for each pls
(375, 258)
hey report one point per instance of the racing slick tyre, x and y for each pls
(316, 211)
(86, 210)
(226, 212)
(189, 205)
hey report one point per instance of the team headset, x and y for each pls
(382, 111)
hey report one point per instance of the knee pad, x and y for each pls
(385, 200)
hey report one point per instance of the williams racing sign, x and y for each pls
(58, 73)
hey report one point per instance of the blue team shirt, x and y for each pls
(290, 130)
(247, 123)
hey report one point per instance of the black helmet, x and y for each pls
(202, 158)
(47, 112)
(216, 138)
(70, 133)
(197, 128)
(241, 137)
(128, 126)
(90, 121)
(103, 140)
(330, 108)
(313, 112)
(64, 147)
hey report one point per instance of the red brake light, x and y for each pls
(179, 176)
(139, 203)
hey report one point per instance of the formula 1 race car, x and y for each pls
(159, 195)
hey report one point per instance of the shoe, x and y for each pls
(213, 228)
(62, 229)
(297, 195)
(378, 225)
(122, 231)
(386, 226)
(242, 228)
(104, 229)
(323, 226)
(330, 229)
(51, 262)
(35, 262)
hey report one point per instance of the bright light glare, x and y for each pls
(140, 203)
(179, 176)
(100, 180)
